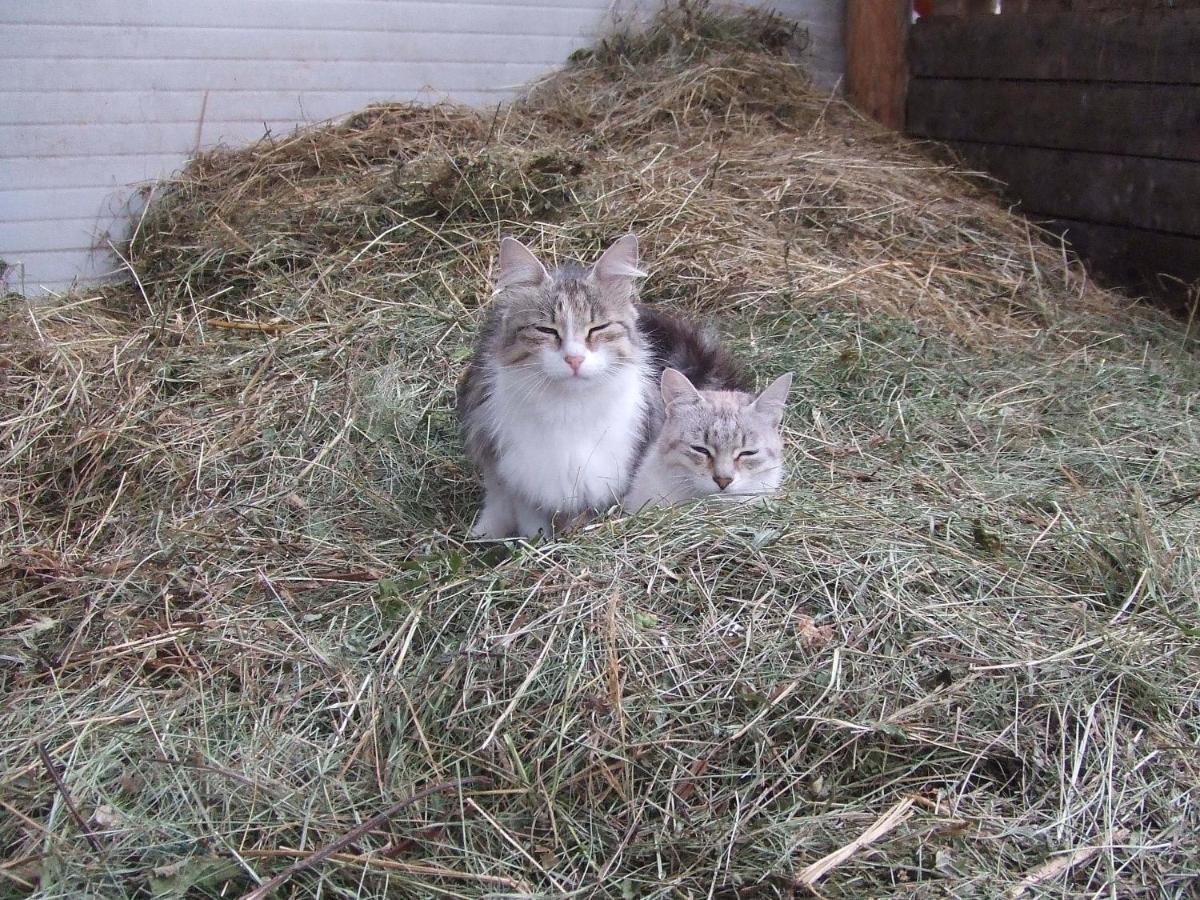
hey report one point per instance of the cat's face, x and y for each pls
(574, 326)
(722, 442)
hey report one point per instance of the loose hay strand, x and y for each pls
(808, 877)
(329, 850)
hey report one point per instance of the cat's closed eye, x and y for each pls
(703, 451)
(746, 453)
(596, 329)
(542, 329)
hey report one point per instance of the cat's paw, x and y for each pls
(532, 523)
(491, 528)
(562, 523)
(478, 533)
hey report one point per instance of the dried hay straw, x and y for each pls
(239, 615)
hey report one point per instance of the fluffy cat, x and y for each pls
(712, 442)
(559, 401)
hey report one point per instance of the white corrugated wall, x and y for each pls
(98, 96)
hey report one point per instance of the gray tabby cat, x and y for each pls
(712, 442)
(560, 399)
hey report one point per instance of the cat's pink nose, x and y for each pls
(722, 481)
(574, 362)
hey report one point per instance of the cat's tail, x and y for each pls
(693, 349)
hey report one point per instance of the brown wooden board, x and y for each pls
(959, 7)
(876, 65)
(1156, 46)
(1138, 192)
(1132, 119)
(1046, 6)
(1162, 264)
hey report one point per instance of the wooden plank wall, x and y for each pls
(1089, 114)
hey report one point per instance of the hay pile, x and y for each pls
(239, 618)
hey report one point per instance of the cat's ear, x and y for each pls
(518, 266)
(620, 261)
(677, 390)
(772, 400)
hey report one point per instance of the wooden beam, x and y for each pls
(961, 7)
(1132, 191)
(876, 58)
(1159, 46)
(1090, 6)
(1160, 120)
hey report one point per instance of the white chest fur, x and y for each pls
(568, 448)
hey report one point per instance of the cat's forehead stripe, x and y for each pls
(725, 429)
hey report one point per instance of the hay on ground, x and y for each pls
(240, 617)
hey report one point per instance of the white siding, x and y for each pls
(99, 96)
